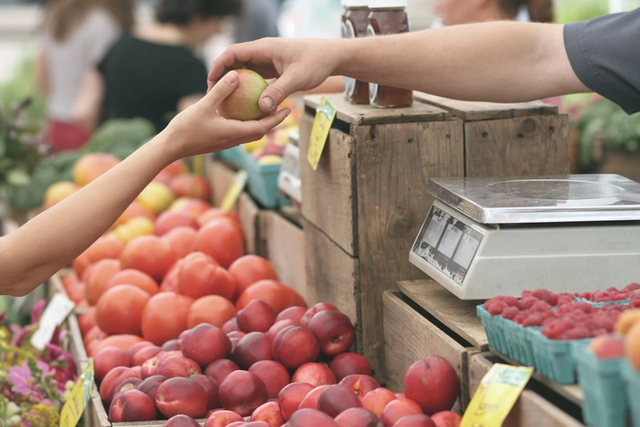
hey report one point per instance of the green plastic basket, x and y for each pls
(632, 387)
(518, 342)
(263, 182)
(494, 327)
(554, 358)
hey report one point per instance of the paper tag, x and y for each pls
(78, 398)
(234, 191)
(58, 309)
(325, 114)
(496, 395)
(289, 178)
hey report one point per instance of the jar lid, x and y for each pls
(355, 3)
(384, 4)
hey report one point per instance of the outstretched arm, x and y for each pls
(34, 252)
(495, 61)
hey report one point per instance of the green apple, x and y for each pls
(242, 104)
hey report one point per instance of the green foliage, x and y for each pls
(20, 87)
(120, 137)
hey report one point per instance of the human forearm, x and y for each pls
(496, 61)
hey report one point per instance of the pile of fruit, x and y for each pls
(566, 316)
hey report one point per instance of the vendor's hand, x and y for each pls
(200, 129)
(297, 65)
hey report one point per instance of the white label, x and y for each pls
(450, 240)
(466, 251)
(58, 309)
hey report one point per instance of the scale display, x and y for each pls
(448, 244)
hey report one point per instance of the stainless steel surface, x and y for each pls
(542, 199)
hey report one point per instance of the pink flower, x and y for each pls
(23, 382)
(37, 310)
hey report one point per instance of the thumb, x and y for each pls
(276, 92)
(222, 89)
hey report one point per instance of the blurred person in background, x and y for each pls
(258, 19)
(153, 72)
(75, 36)
(457, 12)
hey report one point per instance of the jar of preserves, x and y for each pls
(355, 21)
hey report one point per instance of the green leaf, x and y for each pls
(18, 177)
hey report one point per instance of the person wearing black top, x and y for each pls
(153, 73)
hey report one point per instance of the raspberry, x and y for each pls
(564, 300)
(526, 294)
(527, 302)
(578, 333)
(554, 299)
(632, 287)
(568, 322)
(519, 319)
(612, 289)
(542, 294)
(510, 312)
(620, 297)
(550, 320)
(635, 303)
(541, 306)
(549, 315)
(495, 308)
(583, 306)
(553, 330)
(512, 302)
(534, 319)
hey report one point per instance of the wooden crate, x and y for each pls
(409, 336)
(368, 195)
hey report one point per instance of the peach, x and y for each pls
(433, 384)
(321, 306)
(256, 424)
(219, 369)
(211, 388)
(107, 359)
(349, 363)
(415, 420)
(137, 347)
(172, 345)
(181, 396)
(377, 399)
(360, 384)
(291, 396)
(337, 398)
(181, 240)
(195, 207)
(357, 417)
(222, 418)
(234, 344)
(149, 386)
(311, 399)
(311, 417)
(397, 409)
(170, 220)
(294, 346)
(238, 334)
(291, 313)
(181, 421)
(315, 374)
(608, 346)
(253, 347)
(90, 166)
(206, 343)
(273, 374)
(150, 367)
(257, 316)
(113, 380)
(144, 354)
(177, 367)
(242, 104)
(137, 370)
(230, 326)
(132, 405)
(242, 392)
(128, 384)
(280, 325)
(446, 419)
(237, 424)
(190, 186)
(269, 413)
(334, 332)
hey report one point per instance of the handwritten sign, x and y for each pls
(325, 114)
(234, 191)
(496, 395)
(78, 398)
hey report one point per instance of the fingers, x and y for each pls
(221, 90)
(253, 130)
(275, 93)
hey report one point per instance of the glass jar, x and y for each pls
(388, 17)
(355, 21)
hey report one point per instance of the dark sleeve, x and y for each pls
(605, 55)
(193, 78)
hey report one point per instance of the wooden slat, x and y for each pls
(458, 315)
(531, 410)
(285, 249)
(366, 115)
(475, 111)
(329, 191)
(529, 146)
(248, 213)
(410, 337)
(394, 163)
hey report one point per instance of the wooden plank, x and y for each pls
(394, 163)
(329, 192)
(248, 213)
(285, 249)
(528, 146)
(410, 337)
(458, 315)
(220, 176)
(332, 276)
(475, 111)
(531, 410)
(365, 115)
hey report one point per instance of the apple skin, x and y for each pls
(242, 104)
(446, 419)
(334, 332)
(433, 384)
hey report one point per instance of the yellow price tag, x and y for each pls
(325, 114)
(496, 395)
(78, 398)
(234, 191)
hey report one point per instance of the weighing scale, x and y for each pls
(499, 236)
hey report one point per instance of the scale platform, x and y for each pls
(499, 236)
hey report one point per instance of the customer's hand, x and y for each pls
(298, 65)
(200, 129)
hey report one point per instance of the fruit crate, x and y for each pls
(631, 379)
(263, 182)
(233, 155)
(605, 401)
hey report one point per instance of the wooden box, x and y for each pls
(367, 199)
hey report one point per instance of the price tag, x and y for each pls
(496, 395)
(234, 191)
(78, 398)
(58, 309)
(325, 114)
(289, 178)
